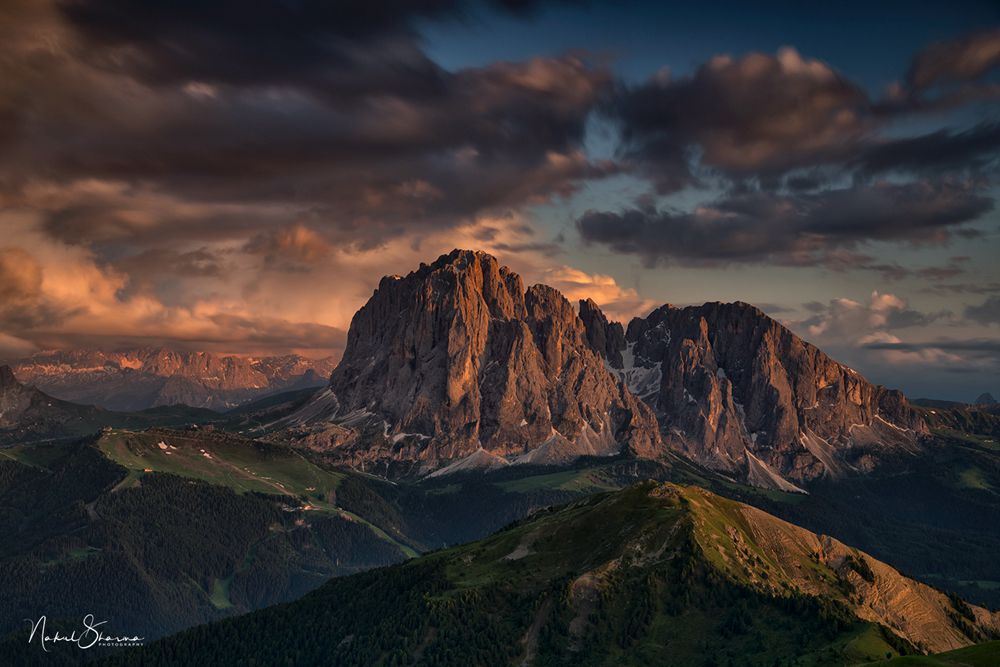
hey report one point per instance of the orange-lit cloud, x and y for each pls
(291, 289)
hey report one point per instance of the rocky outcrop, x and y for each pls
(739, 392)
(458, 360)
(150, 377)
(604, 337)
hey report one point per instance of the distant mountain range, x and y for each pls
(143, 378)
(457, 366)
(28, 414)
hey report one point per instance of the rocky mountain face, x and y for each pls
(738, 392)
(150, 377)
(457, 365)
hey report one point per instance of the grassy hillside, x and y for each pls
(162, 529)
(933, 516)
(981, 655)
(654, 574)
(221, 459)
(167, 541)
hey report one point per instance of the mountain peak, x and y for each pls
(461, 259)
(458, 356)
(737, 391)
(985, 398)
(464, 255)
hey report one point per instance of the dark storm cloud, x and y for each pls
(328, 113)
(506, 112)
(789, 229)
(784, 134)
(754, 115)
(343, 50)
(988, 312)
(785, 120)
(321, 45)
(495, 136)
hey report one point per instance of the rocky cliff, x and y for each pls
(738, 392)
(457, 365)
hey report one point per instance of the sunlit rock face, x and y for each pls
(457, 366)
(457, 358)
(737, 391)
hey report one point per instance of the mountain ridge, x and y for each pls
(628, 577)
(29, 415)
(26, 411)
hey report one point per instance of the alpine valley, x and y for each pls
(494, 475)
